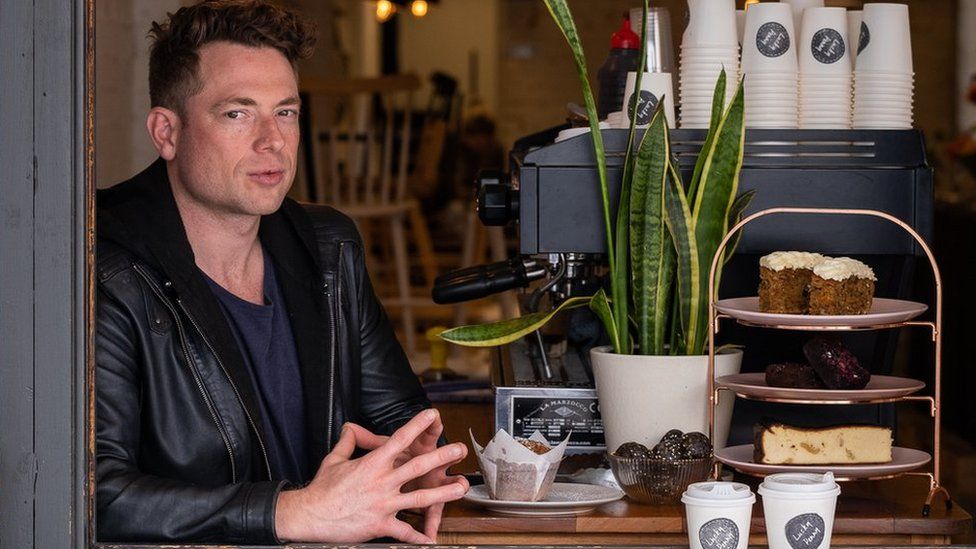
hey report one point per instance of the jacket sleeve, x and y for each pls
(132, 506)
(390, 392)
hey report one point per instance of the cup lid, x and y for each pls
(799, 483)
(718, 492)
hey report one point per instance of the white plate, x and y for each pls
(878, 388)
(903, 460)
(883, 311)
(564, 500)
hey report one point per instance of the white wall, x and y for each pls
(122, 146)
(444, 39)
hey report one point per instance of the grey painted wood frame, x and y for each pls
(46, 214)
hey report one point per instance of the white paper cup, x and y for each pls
(700, 48)
(798, 6)
(774, 125)
(769, 42)
(823, 42)
(773, 103)
(866, 104)
(711, 22)
(887, 40)
(718, 514)
(655, 86)
(854, 33)
(882, 125)
(799, 509)
(740, 23)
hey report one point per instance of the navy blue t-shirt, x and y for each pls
(265, 339)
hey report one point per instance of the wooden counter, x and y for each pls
(877, 513)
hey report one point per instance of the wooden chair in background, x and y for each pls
(357, 158)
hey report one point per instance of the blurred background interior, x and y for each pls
(453, 84)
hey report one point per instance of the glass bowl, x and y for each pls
(658, 481)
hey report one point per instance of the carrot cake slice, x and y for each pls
(841, 286)
(783, 281)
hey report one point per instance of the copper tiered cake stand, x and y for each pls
(759, 391)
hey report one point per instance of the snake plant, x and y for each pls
(666, 234)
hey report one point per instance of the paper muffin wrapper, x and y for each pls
(512, 472)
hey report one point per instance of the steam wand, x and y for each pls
(534, 307)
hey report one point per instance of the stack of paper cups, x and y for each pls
(769, 66)
(854, 18)
(798, 6)
(825, 69)
(884, 79)
(710, 44)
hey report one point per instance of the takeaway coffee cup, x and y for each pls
(655, 86)
(799, 509)
(718, 514)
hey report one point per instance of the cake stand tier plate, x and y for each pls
(753, 385)
(884, 312)
(903, 460)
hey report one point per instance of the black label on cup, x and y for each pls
(720, 533)
(864, 38)
(645, 107)
(805, 531)
(772, 40)
(827, 46)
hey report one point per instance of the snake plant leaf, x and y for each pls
(718, 103)
(620, 285)
(681, 226)
(651, 250)
(735, 215)
(716, 192)
(563, 17)
(600, 306)
(506, 331)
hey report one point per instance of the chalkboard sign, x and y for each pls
(805, 531)
(720, 533)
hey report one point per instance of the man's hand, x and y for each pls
(423, 444)
(354, 500)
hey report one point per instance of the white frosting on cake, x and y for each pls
(842, 268)
(777, 261)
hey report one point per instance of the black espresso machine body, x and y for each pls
(553, 194)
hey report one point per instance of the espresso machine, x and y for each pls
(552, 193)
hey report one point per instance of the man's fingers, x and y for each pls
(429, 437)
(421, 499)
(345, 446)
(404, 436)
(432, 520)
(365, 438)
(404, 532)
(423, 464)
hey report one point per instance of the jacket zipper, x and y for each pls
(189, 362)
(332, 330)
(257, 434)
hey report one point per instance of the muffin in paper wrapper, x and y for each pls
(515, 473)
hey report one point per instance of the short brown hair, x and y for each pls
(174, 59)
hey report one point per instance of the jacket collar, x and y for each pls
(141, 216)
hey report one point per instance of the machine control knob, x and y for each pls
(497, 204)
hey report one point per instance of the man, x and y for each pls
(242, 356)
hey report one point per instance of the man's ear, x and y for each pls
(164, 130)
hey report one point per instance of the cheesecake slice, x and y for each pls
(780, 444)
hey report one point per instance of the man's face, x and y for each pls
(237, 143)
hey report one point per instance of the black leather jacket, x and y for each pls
(180, 453)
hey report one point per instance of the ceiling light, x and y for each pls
(384, 10)
(419, 8)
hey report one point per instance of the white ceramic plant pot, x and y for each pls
(643, 397)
